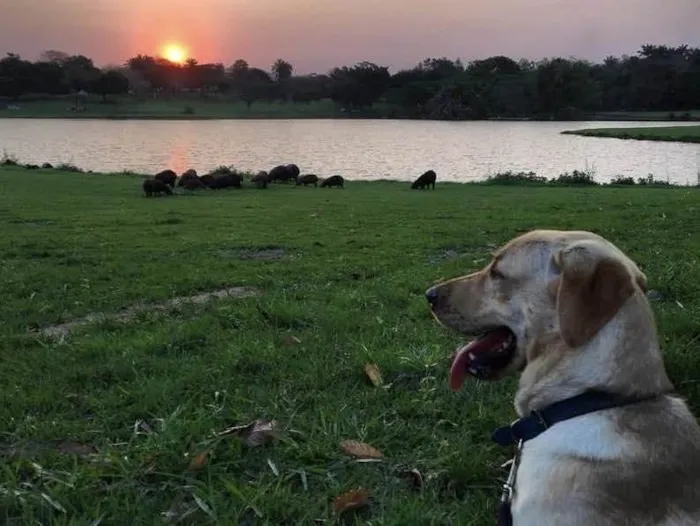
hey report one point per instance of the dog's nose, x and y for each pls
(431, 295)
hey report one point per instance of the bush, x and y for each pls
(650, 181)
(8, 160)
(223, 170)
(575, 178)
(68, 167)
(515, 178)
(620, 179)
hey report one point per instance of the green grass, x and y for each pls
(132, 108)
(646, 115)
(349, 287)
(662, 133)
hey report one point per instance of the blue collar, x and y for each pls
(540, 420)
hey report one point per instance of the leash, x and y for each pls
(505, 516)
(529, 427)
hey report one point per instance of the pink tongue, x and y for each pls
(491, 342)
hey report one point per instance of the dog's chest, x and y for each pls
(550, 475)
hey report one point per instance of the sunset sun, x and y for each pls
(175, 53)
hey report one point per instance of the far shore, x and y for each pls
(209, 109)
(662, 133)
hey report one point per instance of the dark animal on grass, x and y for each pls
(207, 180)
(193, 184)
(47, 166)
(31, 166)
(307, 180)
(189, 174)
(155, 187)
(294, 169)
(282, 173)
(333, 180)
(232, 180)
(168, 177)
(425, 180)
(260, 179)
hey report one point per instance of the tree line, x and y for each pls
(656, 78)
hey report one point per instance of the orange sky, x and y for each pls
(316, 35)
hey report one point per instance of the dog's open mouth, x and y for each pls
(483, 357)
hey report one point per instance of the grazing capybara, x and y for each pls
(189, 174)
(425, 180)
(307, 179)
(282, 173)
(226, 181)
(207, 180)
(47, 166)
(193, 184)
(168, 177)
(333, 180)
(293, 169)
(155, 187)
(260, 179)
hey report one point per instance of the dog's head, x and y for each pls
(542, 291)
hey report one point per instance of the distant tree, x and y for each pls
(254, 85)
(16, 76)
(51, 55)
(110, 82)
(79, 72)
(359, 86)
(282, 70)
(239, 69)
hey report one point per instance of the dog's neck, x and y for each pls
(623, 358)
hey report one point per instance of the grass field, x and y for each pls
(646, 115)
(340, 276)
(128, 108)
(192, 108)
(661, 133)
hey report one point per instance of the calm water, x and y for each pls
(358, 149)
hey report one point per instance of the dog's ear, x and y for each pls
(593, 286)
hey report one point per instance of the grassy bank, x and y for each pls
(339, 276)
(646, 115)
(663, 133)
(185, 108)
(197, 108)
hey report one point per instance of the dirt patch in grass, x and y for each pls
(126, 315)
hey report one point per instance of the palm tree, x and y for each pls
(282, 70)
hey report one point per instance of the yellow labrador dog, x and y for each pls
(601, 441)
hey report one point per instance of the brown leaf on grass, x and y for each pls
(415, 477)
(255, 434)
(199, 461)
(373, 373)
(351, 500)
(68, 447)
(290, 340)
(361, 450)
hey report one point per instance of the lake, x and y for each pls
(357, 149)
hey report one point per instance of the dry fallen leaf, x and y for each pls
(351, 500)
(360, 449)
(199, 460)
(373, 373)
(69, 447)
(291, 340)
(254, 434)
